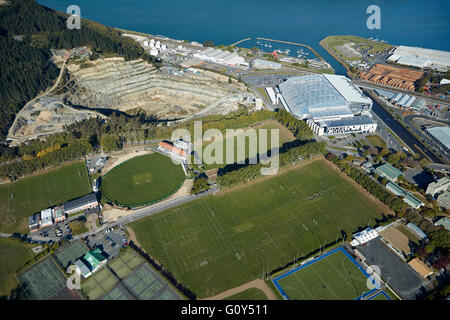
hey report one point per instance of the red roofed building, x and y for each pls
(177, 153)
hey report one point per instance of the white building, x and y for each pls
(265, 64)
(220, 57)
(444, 200)
(364, 236)
(441, 135)
(421, 58)
(272, 95)
(46, 218)
(442, 184)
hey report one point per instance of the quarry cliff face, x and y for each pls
(124, 85)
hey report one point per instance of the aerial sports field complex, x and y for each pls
(232, 237)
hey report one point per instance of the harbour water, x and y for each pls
(403, 22)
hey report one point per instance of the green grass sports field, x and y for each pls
(224, 240)
(13, 255)
(142, 179)
(19, 200)
(334, 277)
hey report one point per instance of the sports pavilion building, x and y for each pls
(331, 104)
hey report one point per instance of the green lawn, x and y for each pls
(334, 277)
(13, 255)
(333, 41)
(78, 227)
(249, 294)
(224, 240)
(19, 200)
(377, 142)
(242, 141)
(142, 179)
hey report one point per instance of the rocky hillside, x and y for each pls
(124, 85)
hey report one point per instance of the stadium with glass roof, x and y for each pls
(327, 101)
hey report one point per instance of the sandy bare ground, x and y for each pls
(257, 283)
(117, 159)
(132, 236)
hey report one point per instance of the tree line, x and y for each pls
(290, 153)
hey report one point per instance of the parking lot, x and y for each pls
(393, 270)
(110, 241)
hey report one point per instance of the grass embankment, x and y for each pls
(21, 199)
(240, 144)
(222, 241)
(377, 142)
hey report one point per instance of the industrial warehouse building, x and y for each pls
(80, 204)
(221, 57)
(442, 184)
(265, 64)
(389, 172)
(441, 135)
(331, 104)
(408, 198)
(444, 200)
(421, 58)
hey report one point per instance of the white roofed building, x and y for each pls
(46, 218)
(421, 58)
(220, 57)
(364, 236)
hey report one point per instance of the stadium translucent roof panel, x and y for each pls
(310, 92)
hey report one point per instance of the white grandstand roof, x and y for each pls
(350, 121)
(349, 91)
(330, 112)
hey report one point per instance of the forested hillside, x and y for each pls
(24, 63)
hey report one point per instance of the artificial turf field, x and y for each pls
(19, 200)
(222, 241)
(331, 277)
(142, 180)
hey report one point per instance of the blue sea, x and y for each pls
(403, 22)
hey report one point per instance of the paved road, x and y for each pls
(148, 211)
